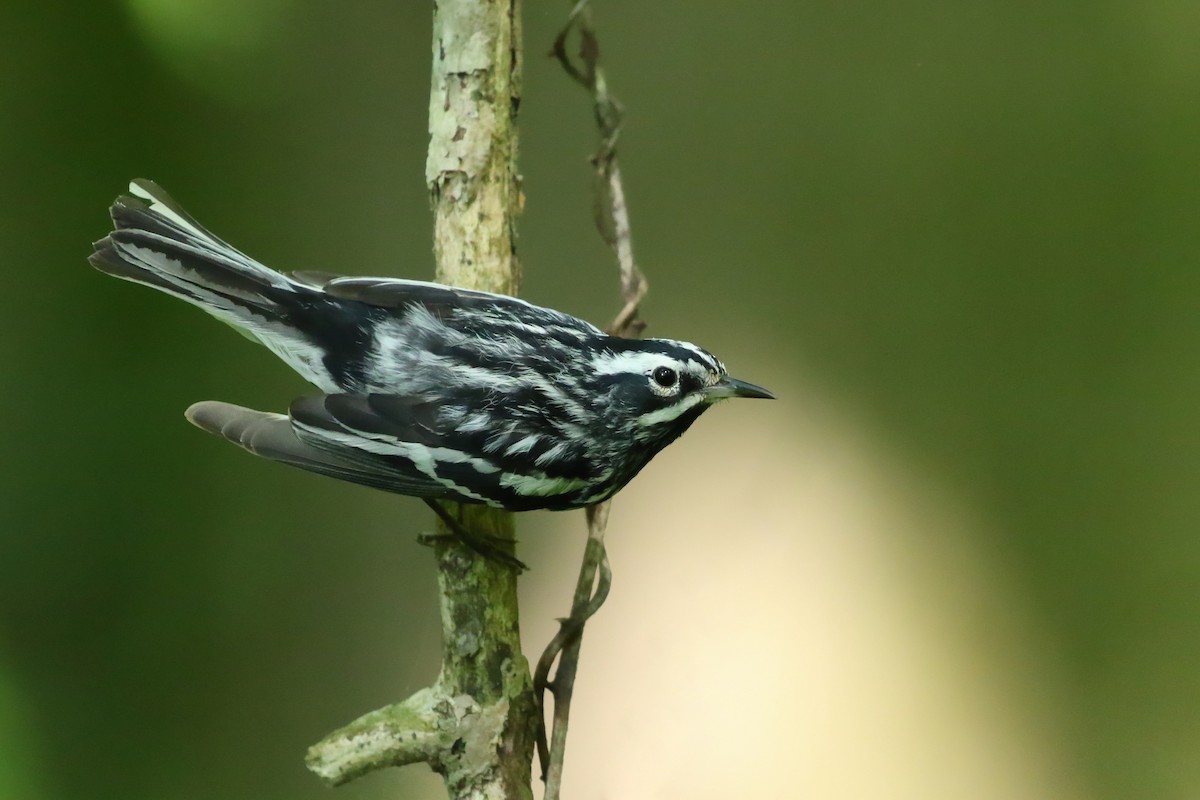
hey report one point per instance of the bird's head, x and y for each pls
(658, 387)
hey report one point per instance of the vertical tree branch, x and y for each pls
(471, 171)
(475, 725)
(471, 166)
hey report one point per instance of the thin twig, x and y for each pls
(591, 590)
(612, 219)
(613, 215)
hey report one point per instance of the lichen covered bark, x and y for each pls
(471, 167)
(474, 187)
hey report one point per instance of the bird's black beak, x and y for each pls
(732, 387)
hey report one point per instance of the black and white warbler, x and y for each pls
(428, 390)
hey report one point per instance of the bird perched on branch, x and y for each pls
(427, 390)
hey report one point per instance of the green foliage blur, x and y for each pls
(974, 224)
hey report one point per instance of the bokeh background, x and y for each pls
(959, 557)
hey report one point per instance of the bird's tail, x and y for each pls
(156, 243)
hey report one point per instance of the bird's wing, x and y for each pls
(397, 432)
(443, 301)
(400, 292)
(273, 436)
(399, 444)
(491, 464)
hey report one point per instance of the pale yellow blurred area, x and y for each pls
(796, 614)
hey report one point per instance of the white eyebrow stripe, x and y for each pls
(630, 362)
(707, 359)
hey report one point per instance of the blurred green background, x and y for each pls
(966, 231)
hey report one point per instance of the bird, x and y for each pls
(425, 390)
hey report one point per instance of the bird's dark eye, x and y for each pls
(665, 377)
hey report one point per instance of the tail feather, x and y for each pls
(166, 208)
(189, 266)
(156, 243)
(172, 244)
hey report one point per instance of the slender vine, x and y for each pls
(612, 220)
